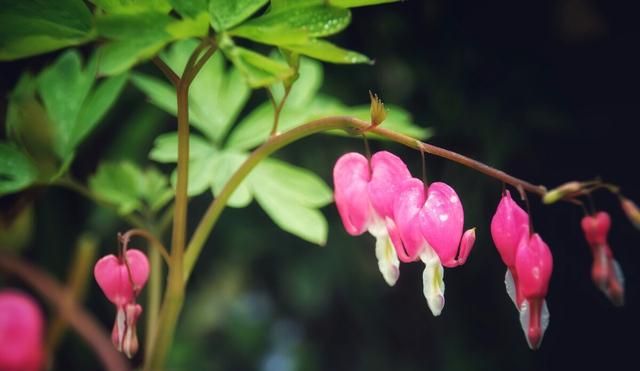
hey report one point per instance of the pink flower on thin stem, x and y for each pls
(427, 225)
(364, 194)
(121, 279)
(508, 225)
(21, 332)
(605, 272)
(533, 264)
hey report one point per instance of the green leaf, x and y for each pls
(310, 77)
(228, 13)
(190, 8)
(16, 171)
(328, 52)
(296, 184)
(120, 184)
(201, 171)
(165, 147)
(294, 25)
(226, 164)
(96, 106)
(292, 203)
(357, 3)
(38, 26)
(157, 190)
(64, 87)
(132, 7)
(119, 56)
(216, 96)
(258, 69)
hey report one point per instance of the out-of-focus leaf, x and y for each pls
(157, 191)
(328, 52)
(294, 25)
(356, 3)
(118, 56)
(292, 210)
(64, 86)
(256, 68)
(132, 7)
(190, 8)
(165, 147)
(120, 184)
(228, 13)
(38, 26)
(96, 105)
(16, 171)
(226, 164)
(159, 92)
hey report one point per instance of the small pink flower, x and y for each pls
(605, 272)
(508, 225)
(427, 224)
(364, 194)
(121, 280)
(21, 332)
(533, 264)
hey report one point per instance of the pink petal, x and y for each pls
(466, 244)
(441, 221)
(596, 227)
(534, 264)
(406, 236)
(113, 278)
(508, 225)
(350, 177)
(21, 332)
(388, 174)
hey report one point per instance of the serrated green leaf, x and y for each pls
(16, 171)
(305, 222)
(120, 184)
(64, 87)
(228, 13)
(190, 8)
(132, 7)
(328, 52)
(39, 26)
(96, 106)
(294, 25)
(257, 69)
(294, 183)
(226, 165)
(165, 147)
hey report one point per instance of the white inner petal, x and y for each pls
(388, 262)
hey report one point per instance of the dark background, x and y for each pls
(545, 90)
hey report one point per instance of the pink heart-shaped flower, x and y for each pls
(119, 283)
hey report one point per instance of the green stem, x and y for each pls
(324, 124)
(174, 295)
(154, 295)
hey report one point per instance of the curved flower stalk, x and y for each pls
(364, 194)
(605, 272)
(21, 332)
(428, 226)
(508, 225)
(533, 263)
(121, 279)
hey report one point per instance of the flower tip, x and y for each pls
(466, 244)
(631, 211)
(561, 192)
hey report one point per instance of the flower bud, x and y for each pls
(631, 210)
(561, 192)
(119, 282)
(378, 113)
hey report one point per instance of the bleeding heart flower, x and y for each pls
(508, 225)
(605, 272)
(364, 194)
(121, 280)
(428, 225)
(533, 265)
(21, 332)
